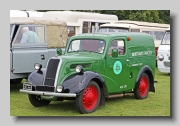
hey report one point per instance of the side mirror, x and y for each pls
(114, 52)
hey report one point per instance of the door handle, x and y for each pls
(42, 57)
(127, 60)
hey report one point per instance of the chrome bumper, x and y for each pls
(48, 93)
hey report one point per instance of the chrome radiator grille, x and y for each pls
(51, 72)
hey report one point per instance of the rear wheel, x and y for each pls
(89, 99)
(37, 101)
(142, 88)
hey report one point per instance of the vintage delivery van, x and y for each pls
(95, 66)
(46, 37)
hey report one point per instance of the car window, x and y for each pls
(91, 45)
(117, 44)
(166, 39)
(30, 34)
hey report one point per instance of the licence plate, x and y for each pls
(27, 86)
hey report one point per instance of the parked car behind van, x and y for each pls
(163, 58)
(46, 38)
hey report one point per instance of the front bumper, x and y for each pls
(27, 88)
(48, 93)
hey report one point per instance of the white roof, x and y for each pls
(73, 17)
(18, 13)
(35, 13)
(37, 20)
(120, 25)
(136, 24)
(141, 23)
(168, 29)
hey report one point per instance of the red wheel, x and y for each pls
(142, 88)
(89, 99)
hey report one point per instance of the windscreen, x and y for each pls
(90, 45)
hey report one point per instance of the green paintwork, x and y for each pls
(139, 51)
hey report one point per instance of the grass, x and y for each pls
(156, 104)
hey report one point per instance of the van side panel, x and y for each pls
(141, 52)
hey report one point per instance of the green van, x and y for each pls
(95, 66)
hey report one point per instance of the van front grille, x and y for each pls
(51, 72)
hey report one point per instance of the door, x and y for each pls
(29, 48)
(116, 68)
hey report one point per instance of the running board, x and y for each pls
(119, 95)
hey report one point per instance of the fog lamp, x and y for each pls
(59, 88)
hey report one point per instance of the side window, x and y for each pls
(117, 44)
(155, 34)
(86, 27)
(135, 30)
(89, 27)
(98, 26)
(74, 46)
(159, 35)
(30, 34)
(93, 27)
(71, 31)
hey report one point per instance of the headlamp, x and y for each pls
(161, 57)
(79, 69)
(37, 66)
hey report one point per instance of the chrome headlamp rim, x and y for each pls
(59, 88)
(161, 57)
(79, 68)
(37, 66)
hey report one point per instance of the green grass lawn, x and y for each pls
(156, 104)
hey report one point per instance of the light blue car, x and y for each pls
(34, 40)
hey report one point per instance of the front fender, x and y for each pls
(77, 82)
(37, 78)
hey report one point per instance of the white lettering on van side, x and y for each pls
(123, 86)
(137, 64)
(142, 53)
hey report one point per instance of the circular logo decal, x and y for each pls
(117, 68)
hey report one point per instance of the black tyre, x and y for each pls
(37, 101)
(142, 87)
(15, 81)
(89, 99)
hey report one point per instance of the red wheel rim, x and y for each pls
(90, 98)
(143, 87)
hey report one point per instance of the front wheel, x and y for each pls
(142, 87)
(37, 101)
(89, 99)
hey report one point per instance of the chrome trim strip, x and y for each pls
(57, 73)
(48, 93)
